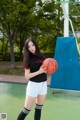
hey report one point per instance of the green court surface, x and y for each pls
(63, 105)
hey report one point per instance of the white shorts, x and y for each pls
(34, 89)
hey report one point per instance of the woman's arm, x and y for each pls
(29, 75)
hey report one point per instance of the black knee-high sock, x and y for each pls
(37, 114)
(23, 114)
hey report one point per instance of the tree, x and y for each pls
(49, 24)
(21, 19)
(13, 17)
(75, 15)
(8, 24)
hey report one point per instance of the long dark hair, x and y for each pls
(27, 53)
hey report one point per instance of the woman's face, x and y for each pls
(31, 47)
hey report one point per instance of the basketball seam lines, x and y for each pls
(52, 63)
(48, 65)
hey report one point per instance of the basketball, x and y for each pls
(50, 64)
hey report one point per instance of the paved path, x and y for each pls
(12, 78)
(16, 79)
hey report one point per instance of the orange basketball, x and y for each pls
(50, 64)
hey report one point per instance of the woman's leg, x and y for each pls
(39, 103)
(29, 101)
(40, 100)
(31, 94)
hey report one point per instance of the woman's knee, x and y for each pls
(29, 101)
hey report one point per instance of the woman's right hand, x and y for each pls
(42, 70)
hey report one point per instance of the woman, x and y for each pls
(34, 72)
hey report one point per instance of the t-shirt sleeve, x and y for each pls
(27, 68)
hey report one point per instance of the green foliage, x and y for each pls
(75, 15)
(49, 25)
(20, 19)
(29, 18)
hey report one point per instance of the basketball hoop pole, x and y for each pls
(65, 7)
